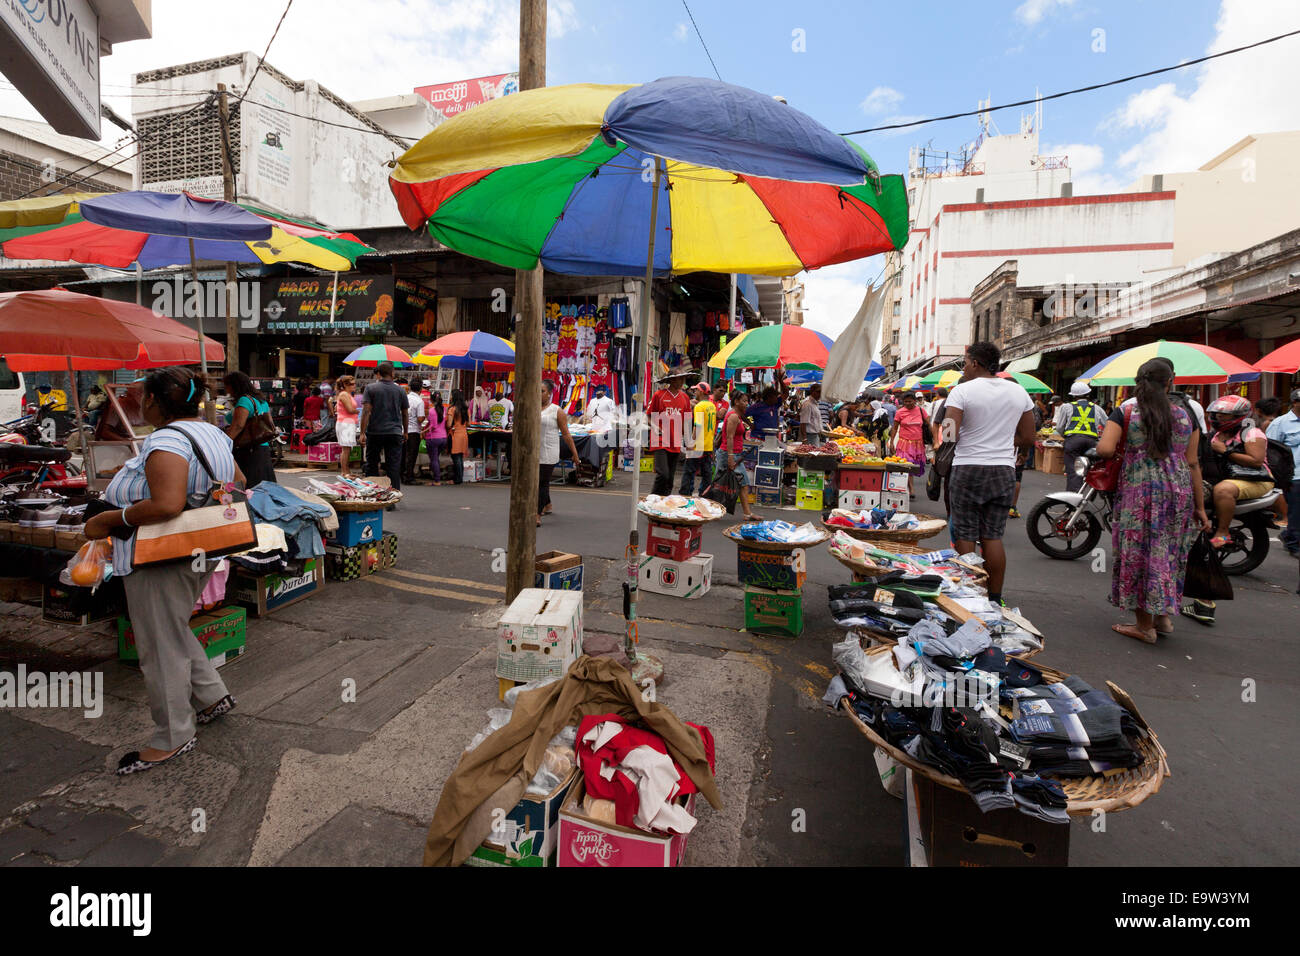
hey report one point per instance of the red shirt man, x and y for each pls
(668, 408)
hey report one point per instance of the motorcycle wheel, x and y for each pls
(1043, 524)
(1248, 549)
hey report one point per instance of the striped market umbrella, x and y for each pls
(770, 346)
(1283, 361)
(369, 356)
(1193, 365)
(944, 379)
(468, 351)
(1030, 384)
(908, 383)
(119, 230)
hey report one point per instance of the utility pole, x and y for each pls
(526, 447)
(232, 282)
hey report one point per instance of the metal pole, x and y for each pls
(210, 407)
(334, 298)
(87, 456)
(642, 666)
(228, 193)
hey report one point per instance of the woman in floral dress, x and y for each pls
(1160, 503)
(908, 436)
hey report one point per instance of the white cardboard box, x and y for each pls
(539, 635)
(472, 470)
(859, 500)
(896, 481)
(686, 579)
(896, 500)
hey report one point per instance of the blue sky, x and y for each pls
(863, 64)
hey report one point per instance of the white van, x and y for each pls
(12, 391)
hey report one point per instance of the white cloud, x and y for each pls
(1249, 92)
(891, 120)
(400, 45)
(680, 32)
(881, 100)
(1033, 11)
(1088, 170)
(832, 295)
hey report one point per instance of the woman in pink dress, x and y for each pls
(908, 436)
(435, 435)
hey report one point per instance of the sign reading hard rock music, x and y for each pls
(363, 305)
(49, 49)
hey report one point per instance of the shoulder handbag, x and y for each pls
(214, 523)
(927, 435)
(943, 457)
(1206, 579)
(1104, 476)
(257, 429)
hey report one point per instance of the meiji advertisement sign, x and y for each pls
(450, 99)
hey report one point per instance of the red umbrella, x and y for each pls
(1283, 361)
(53, 329)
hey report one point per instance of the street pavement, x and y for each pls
(298, 775)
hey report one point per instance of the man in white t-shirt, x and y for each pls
(415, 418)
(992, 421)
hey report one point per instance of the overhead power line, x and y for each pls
(702, 43)
(1081, 89)
(262, 59)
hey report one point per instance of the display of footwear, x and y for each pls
(40, 517)
(74, 521)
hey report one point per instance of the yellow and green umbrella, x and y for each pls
(944, 379)
(1030, 384)
(770, 346)
(1193, 365)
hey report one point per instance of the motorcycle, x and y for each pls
(1067, 524)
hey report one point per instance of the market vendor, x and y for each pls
(765, 414)
(811, 423)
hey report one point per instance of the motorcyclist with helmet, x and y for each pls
(1236, 463)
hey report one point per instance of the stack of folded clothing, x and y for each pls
(1071, 729)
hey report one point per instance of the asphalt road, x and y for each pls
(1221, 699)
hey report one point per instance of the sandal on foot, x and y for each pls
(1135, 632)
(132, 763)
(1219, 540)
(219, 709)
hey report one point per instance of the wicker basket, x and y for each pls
(353, 504)
(681, 522)
(1119, 791)
(771, 545)
(869, 570)
(927, 529)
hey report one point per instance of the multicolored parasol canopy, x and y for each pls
(369, 356)
(1283, 361)
(945, 379)
(1193, 365)
(76, 228)
(1030, 384)
(564, 175)
(770, 346)
(468, 351)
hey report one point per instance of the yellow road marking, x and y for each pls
(501, 588)
(819, 669)
(435, 592)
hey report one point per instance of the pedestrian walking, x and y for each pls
(415, 422)
(992, 422)
(731, 452)
(555, 424)
(435, 435)
(458, 435)
(383, 425)
(346, 423)
(1160, 504)
(250, 429)
(1079, 421)
(908, 436)
(312, 407)
(151, 488)
(698, 455)
(667, 411)
(1286, 429)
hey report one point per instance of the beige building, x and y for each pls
(1244, 196)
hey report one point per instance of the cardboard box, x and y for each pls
(955, 832)
(41, 537)
(770, 459)
(20, 535)
(324, 451)
(539, 635)
(808, 500)
(896, 481)
(859, 479)
(348, 564)
(647, 463)
(265, 593)
(472, 470)
(811, 480)
(558, 571)
(673, 541)
(69, 540)
(6, 531)
(222, 633)
(767, 477)
(1051, 461)
(78, 607)
(529, 834)
(686, 579)
(859, 500)
(895, 500)
(358, 527)
(587, 842)
(777, 613)
(768, 499)
(772, 570)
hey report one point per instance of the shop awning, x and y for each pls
(1079, 343)
(1026, 364)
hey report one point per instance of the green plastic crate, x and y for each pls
(779, 613)
(811, 480)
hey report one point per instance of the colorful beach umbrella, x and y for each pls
(470, 351)
(1030, 384)
(770, 346)
(119, 230)
(908, 383)
(1283, 361)
(1193, 365)
(563, 175)
(945, 379)
(369, 356)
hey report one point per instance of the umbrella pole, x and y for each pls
(87, 456)
(209, 406)
(642, 666)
